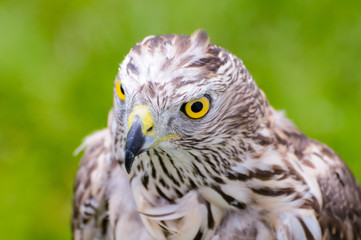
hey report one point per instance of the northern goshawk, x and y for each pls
(193, 150)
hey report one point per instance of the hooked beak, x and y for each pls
(140, 135)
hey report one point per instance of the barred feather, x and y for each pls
(243, 171)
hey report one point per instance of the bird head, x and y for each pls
(183, 93)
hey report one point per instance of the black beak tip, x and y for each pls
(134, 144)
(129, 157)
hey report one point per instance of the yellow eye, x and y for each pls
(119, 89)
(197, 108)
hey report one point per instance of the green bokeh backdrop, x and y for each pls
(58, 60)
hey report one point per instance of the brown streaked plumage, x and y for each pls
(207, 156)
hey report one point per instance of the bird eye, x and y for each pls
(197, 108)
(120, 90)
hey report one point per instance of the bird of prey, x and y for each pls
(194, 150)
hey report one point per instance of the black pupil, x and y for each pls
(122, 90)
(197, 107)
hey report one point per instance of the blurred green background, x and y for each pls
(58, 60)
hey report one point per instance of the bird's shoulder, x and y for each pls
(340, 215)
(90, 216)
(337, 192)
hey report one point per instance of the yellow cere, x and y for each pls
(143, 112)
(118, 88)
(197, 108)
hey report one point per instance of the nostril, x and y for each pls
(150, 129)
